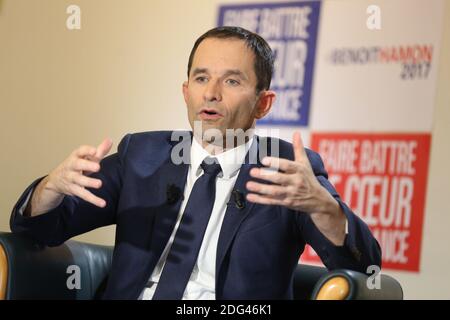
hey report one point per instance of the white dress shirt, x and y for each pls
(201, 284)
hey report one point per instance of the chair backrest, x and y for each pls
(31, 271)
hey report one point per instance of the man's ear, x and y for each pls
(185, 91)
(264, 103)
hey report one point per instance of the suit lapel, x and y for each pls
(234, 215)
(169, 186)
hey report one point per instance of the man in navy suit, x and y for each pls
(261, 199)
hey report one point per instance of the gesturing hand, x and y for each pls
(295, 186)
(71, 177)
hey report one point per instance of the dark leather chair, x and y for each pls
(32, 271)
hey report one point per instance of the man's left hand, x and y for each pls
(296, 187)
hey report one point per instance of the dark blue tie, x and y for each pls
(189, 236)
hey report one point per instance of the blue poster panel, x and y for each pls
(291, 31)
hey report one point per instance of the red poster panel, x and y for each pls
(383, 178)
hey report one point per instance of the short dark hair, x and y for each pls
(263, 53)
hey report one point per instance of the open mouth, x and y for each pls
(209, 114)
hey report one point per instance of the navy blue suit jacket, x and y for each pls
(259, 245)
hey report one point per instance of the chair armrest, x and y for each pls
(352, 285)
(33, 271)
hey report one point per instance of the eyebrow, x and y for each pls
(230, 72)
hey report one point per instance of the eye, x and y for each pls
(232, 82)
(201, 79)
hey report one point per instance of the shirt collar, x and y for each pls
(230, 161)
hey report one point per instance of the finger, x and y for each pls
(85, 165)
(274, 191)
(88, 196)
(299, 149)
(272, 176)
(280, 164)
(103, 149)
(87, 182)
(256, 198)
(85, 151)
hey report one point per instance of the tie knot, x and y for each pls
(211, 166)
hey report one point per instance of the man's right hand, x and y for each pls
(71, 177)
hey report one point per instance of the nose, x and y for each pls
(212, 91)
